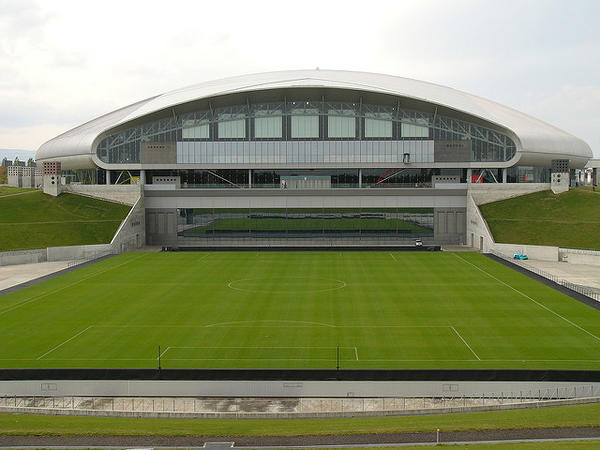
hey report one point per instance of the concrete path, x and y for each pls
(20, 273)
(582, 274)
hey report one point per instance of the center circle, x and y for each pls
(286, 285)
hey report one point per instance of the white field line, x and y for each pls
(392, 255)
(528, 297)
(233, 324)
(32, 299)
(237, 323)
(252, 347)
(63, 343)
(165, 351)
(356, 353)
(364, 360)
(367, 360)
(462, 339)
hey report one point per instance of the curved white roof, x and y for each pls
(537, 142)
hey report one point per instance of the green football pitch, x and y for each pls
(295, 310)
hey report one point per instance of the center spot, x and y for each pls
(286, 285)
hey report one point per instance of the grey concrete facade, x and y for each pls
(449, 207)
(127, 194)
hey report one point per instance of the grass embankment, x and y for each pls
(37, 220)
(569, 220)
(9, 190)
(564, 416)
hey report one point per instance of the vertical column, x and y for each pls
(142, 177)
(359, 178)
(504, 175)
(250, 178)
(108, 177)
(469, 175)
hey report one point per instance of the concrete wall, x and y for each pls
(78, 252)
(572, 256)
(491, 192)
(131, 234)
(478, 234)
(538, 252)
(224, 388)
(23, 257)
(127, 194)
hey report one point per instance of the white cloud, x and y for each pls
(63, 62)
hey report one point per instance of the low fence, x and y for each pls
(297, 406)
(584, 290)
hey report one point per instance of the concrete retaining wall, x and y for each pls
(131, 234)
(23, 257)
(78, 252)
(340, 389)
(491, 192)
(332, 408)
(572, 256)
(538, 252)
(121, 193)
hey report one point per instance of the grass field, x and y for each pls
(292, 310)
(37, 220)
(569, 220)
(10, 190)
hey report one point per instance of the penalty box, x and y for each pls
(262, 342)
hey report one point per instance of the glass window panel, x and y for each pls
(195, 129)
(415, 128)
(378, 125)
(268, 127)
(341, 124)
(305, 126)
(232, 126)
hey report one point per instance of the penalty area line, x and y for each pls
(63, 343)
(528, 297)
(465, 342)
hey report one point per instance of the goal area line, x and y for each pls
(243, 349)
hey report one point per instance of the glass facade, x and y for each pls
(528, 174)
(219, 223)
(304, 121)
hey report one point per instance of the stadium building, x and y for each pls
(312, 157)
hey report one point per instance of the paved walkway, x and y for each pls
(582, 274)
(20, 273)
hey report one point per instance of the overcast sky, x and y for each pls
(63, 63)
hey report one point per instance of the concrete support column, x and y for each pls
(469, 175)
(142, 177)
(250, 178)
(108, 177)
(504, 175)
(359, 178)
